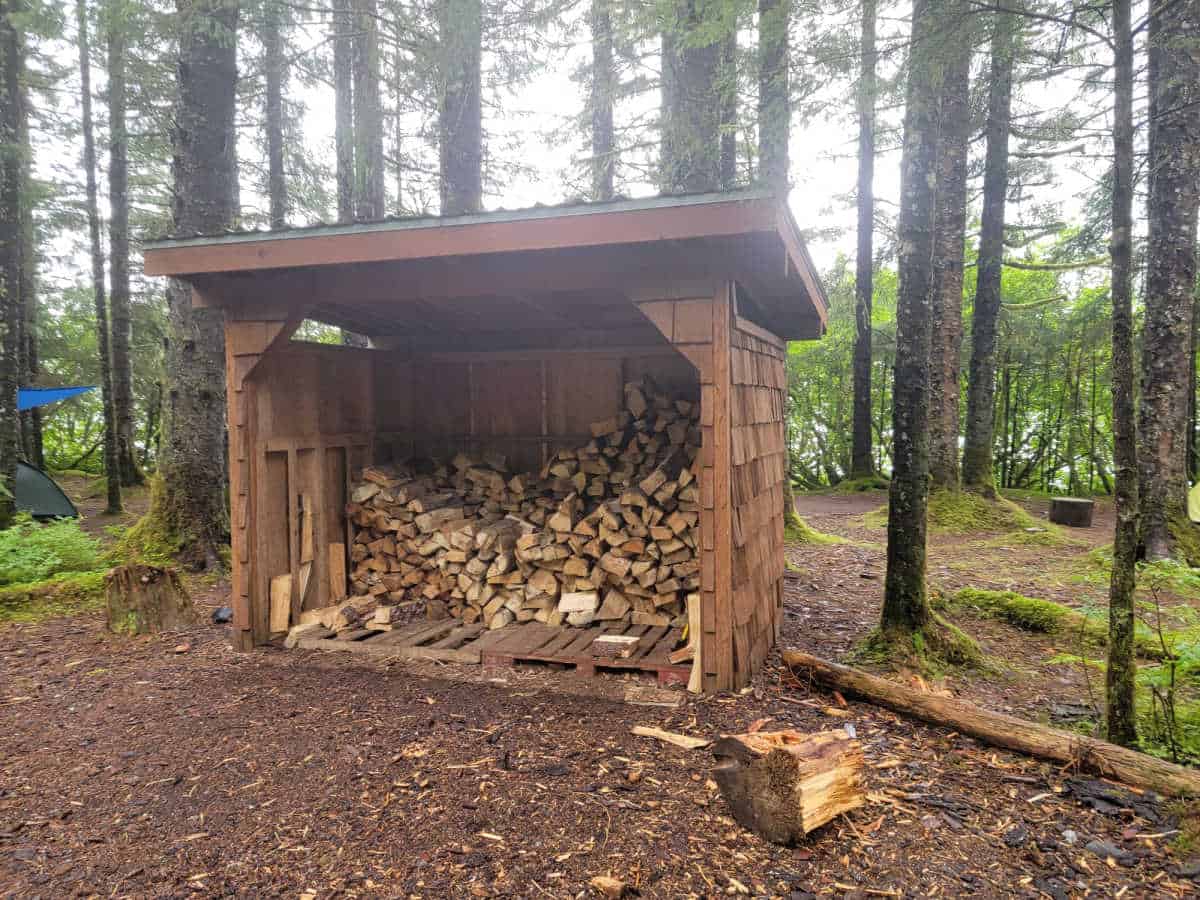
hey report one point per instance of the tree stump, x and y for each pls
(783, 784)
(146, 600)
(1074, 512)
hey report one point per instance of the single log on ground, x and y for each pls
(783, 784)
(999, 730)
(146, 600)
(1075, 512)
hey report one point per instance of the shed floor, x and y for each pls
(453, 641)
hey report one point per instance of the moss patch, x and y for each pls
(931, 651)
(63, 595)
(800, 532)
(1187, 540)
(862, 485)
(1048, 617)
(963, 512)
(150, 539)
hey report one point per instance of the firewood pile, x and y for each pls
(605, 532)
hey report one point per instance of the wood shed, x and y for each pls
(508, 332)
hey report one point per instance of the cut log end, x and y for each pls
(1074, 512)
(781, 785)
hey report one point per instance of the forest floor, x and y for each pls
(172, 766)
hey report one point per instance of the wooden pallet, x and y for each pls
(448, 639)
(534, 642)
(452, 641)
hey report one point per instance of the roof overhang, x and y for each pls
(748, 235)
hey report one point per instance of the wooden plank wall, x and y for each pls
(742, 373)
(524, 406)
(312, 411)
(758, 380)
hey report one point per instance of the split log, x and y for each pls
(1075, 512)
(146, 600)
(783, 784)
(1001, 730)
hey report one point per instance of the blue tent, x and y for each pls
(28, 398)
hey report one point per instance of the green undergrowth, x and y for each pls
(1047, 617)
(963, 512)
(798, 531)
(32, 551)
(1187, 540)
(66, 594)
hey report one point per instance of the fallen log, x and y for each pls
(1000, 730)
(783, 784)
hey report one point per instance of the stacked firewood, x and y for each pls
(604, 532)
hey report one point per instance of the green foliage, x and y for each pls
(31, 552)
(63, 595)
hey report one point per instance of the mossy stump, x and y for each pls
(145, 599)
(1074, 512)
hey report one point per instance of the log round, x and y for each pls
(1001, 730)
(1074, 512)
(146, 600)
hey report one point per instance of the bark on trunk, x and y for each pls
(1174, 55)
(691, 152)
(1121, 719)
(905, 605)
(981, 382)
(603, 82)
(862, 463)
(192, 505)
(953, 138)
(112, 467)
(460, 114)
(368, 115)
(11, 111)
(774, 110)
(727, 97)
(1001, 730)
(343, 108)
(120, 324)
(31, 419)
(272, 38)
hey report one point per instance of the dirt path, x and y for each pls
(130, 769)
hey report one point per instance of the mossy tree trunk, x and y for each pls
(774, 110)
(1174, 170)
(368, 115)
(343, 108)
(905, 607)
(272, 38)
(691, 144)
(191, 508)
(981, 383)
(1122, 665)
(862, 464)
(604, 83)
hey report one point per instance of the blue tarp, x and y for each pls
(28, 398)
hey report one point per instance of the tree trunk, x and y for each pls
(1121, 718)
(343, 108)
(691, 153)
(861, 463)
(146, 600)
(272, 39)
(727, 98)
(603, 83)
(981, 383)
(120, 324)
(905, 606)
(368, 115)
(460, 114)
(31, 419)
(12, 109)
(774, 108)
(191, 508)
(1174, 51)
(953, 139)
(112, 466)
